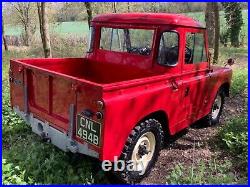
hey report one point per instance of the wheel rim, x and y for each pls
(216, 107)
(143, 151)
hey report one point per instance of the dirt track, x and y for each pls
(193, 145)
(196, 143)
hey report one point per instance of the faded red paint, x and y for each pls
(131, 86)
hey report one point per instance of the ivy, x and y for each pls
(233, 16)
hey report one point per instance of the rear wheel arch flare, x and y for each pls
(225, 87)
(160, 116)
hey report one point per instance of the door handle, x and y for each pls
(186, 91)
(174, 85)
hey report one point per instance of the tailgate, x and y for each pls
(51, 96)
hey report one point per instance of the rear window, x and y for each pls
(137, 41)
(195, 43)
(91, 40)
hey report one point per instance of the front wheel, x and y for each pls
(141, 150)
(216, 110)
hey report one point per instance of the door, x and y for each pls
(195, 74)
(170, 57)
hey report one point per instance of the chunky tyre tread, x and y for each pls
(148, 125)
(209, 119)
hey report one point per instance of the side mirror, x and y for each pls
(230, 62)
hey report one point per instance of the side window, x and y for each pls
(169, 49)
(195, 51)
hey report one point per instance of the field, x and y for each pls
(74, 28)
(78, 28)
(198, 155)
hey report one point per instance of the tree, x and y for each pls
(209, 18)
(233, 15)
(4, 38)
(44, 28)
(114, 7)
(69, 11)
(24, 15)
(213, 28)
(128, 6)
(216, 33)
(89, 11)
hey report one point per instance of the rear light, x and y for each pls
(99, 115)
(100, 105)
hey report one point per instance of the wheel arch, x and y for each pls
(162, 117)
(226, 88)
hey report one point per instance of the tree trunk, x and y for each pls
(40, 22)
(209, 17)
(128, 6)
(216, 33)
(114, 7)
(26, 34)
(24, 16)
(89, 11)
(4, 39)
(44, 28)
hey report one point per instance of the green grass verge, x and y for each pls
(239, 81)
(78, 28)
(234, 138)
(203, 173)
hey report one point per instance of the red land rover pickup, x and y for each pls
(145, 76)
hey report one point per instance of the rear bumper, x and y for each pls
(56, 137)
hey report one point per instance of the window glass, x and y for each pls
(168, 49)
(137, 41)
(195, 51)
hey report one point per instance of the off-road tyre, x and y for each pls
(211, 121)
(150, 125)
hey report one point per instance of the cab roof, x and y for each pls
(148, 19)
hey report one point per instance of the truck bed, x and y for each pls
(48, 88)
(81, 68)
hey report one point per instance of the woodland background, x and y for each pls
(199, 155)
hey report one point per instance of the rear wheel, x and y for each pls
(141, 150)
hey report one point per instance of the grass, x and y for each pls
(212, 172)
(78, 28)
(239, 81)
(13, 30)
(234, 139)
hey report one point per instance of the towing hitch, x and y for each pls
(45, 137)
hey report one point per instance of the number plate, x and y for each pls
(88, 130)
